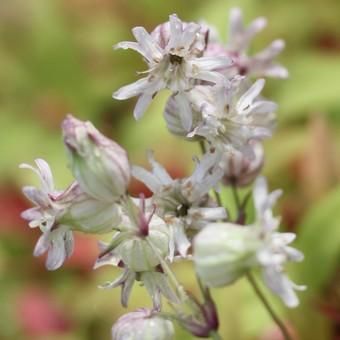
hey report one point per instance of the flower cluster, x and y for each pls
(214, 101)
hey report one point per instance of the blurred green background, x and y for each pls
(56, 58)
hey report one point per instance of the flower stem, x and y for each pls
(269, 308)
(215, 336)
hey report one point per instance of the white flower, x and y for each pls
(100, 165)
(223, 252)
(142, 324)
(56, 239)
(183, 203)
(140, 246)
(261, 64)
(275, 250)
(228, 115)
(174, 61)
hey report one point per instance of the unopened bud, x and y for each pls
(142, 324)
(223, 252)
(241, 168)
(88, 215)
(100, 165)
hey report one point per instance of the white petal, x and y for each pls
(151, 49)
(282, 286)
(210, 63)
(248, 97)
(133, 46)
(56, 254)
(132, 90)
(42, 245)
(176, 29)
(158, 170)
(262, 107)
(141, 105)
(184, 111)
(45, 174)
(189, 34)
(146, 177)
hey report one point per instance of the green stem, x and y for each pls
(215, 336)
(183, 297)
(269, 308)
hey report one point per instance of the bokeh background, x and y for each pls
(56, 57)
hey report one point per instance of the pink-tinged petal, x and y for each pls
(152, 51)
(42, 245)
(45, 174)
(132, 90)
(276, 71)
(142, 103)
(36, 196)
(271, 51)
(31, 214)
(236, 26)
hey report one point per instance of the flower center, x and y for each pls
(175, 59)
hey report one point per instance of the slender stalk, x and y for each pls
(183, 297)
(269, 308)
(236, 198)
(215, 336)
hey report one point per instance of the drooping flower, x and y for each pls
(142, 324)
(262, 64)
(173, 53)
(184, 203)
(58, 213)
(100, 165)
(56, 239)
(223, 252)
(275, 250)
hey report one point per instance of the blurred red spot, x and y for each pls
(39, 314)
(85, 253)
(12, 203)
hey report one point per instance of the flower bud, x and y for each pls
(223, 252)
(240, 168)
(100, 165)
(142, 324)
(86, 214)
